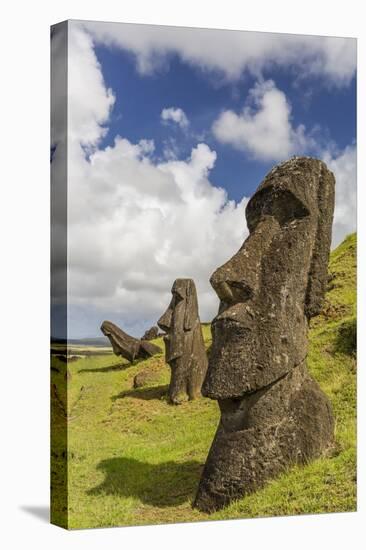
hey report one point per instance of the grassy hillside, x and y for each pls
(135, 459)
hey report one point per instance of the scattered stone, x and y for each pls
(273, 414)
(144, 378)
(127, 346)
(184, 346)
(151, 333)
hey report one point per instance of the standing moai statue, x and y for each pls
(184, 346)
(273, 414)
(127, 346)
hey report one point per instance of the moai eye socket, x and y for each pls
(282, 204)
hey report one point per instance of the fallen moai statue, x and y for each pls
(127, 346)
(273, 414)
(184, 346)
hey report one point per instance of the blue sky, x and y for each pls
(141, 98)
(170, 131)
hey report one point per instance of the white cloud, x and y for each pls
(134, 225)
(90, 101)
(175, 114)
(344, 167)
(263, 128)
(232, 52)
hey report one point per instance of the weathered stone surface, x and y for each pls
(151, 333)
(184, 346)
(273, 414)
(127, 346)
(142, 379)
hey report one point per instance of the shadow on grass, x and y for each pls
(346, 341)
(110, 368)
(155, 392)
(165, 484)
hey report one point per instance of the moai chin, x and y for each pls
(184, 346)
(273, 414)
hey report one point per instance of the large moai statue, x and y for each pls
(184, 346)
(127, 346)
(273, 414)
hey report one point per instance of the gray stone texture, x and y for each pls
(151, 334)
(273, 414)
(184, 346)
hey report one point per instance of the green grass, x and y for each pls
(135, 459)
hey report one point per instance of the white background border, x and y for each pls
(24, 301)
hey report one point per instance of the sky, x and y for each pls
(170, 131)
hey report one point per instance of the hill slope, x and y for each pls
(135, 459)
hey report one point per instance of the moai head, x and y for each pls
(122, 343)
(127, 346)
(151, 333)
(180, 317)
(275, 283)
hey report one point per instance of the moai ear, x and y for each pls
(318, 273)
(191, 306)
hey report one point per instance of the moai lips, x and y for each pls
(273, 414)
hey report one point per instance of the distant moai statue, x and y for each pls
(151, 333)
(273, 414)
(127, 346)
(184, 346)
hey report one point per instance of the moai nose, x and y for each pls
(238, 279)
(232, 290)
(165, 320)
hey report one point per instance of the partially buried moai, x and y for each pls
(273, 414)
(127, 346)
(184, 346)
